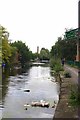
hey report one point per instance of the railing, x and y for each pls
(73, 63)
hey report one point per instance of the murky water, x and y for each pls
(42, 86)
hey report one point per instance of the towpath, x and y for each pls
(64, 109)
(74, 73)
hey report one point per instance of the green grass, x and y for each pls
(74, 97)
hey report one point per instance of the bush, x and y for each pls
(67, 74)
(74, 98)
(52, 63)
(56, 67)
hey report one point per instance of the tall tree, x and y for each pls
(44, 54)
(64, 48)
(23, 50)
(6, 49)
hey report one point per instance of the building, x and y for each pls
(37, 49)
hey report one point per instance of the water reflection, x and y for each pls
(6, 79)
(5, 83)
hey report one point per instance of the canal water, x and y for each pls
(41, 86)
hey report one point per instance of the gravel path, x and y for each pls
(74, 73)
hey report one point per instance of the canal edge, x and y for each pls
(63, 109)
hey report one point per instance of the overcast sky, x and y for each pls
(38, 22)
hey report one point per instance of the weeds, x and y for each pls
(67, 74)
(74, 98)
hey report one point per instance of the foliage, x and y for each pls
(44, 54)
(6, 49)
(67, 74)
(15, 52)
(0, 47)
(56, 67)
(24, 52)
(56, 64)
(74, 98)
(64, 48)
(14, 56)
(34, 56)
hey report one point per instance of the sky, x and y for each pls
(38, 22)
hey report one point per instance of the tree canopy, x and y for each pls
(6, 49)
(24, 52)
(12, 53)
(44, 54)
(64, 48)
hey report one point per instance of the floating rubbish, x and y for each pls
(26, 105)
(45, 105)
(1, 106)
(26, 108)
(53, 106)
(35, 104)
(42, 101)
(40, 104)
(26, 90)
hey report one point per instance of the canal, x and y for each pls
(41, 86)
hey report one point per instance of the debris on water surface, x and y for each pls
(40, 103)
(26, 90)
(26, 105)
(26, 108)
(1, 106)
(53, 106)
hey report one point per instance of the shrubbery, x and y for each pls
(56, 67)
(74, 98)
(67, 74)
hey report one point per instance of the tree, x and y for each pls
(0, 46)
(44, 54)
(14, 59)
(64, 48)
(6, 49)
(8, 52)
(24, 52)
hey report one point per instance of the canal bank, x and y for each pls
(64, 109)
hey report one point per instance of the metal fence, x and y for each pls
(74, 63)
